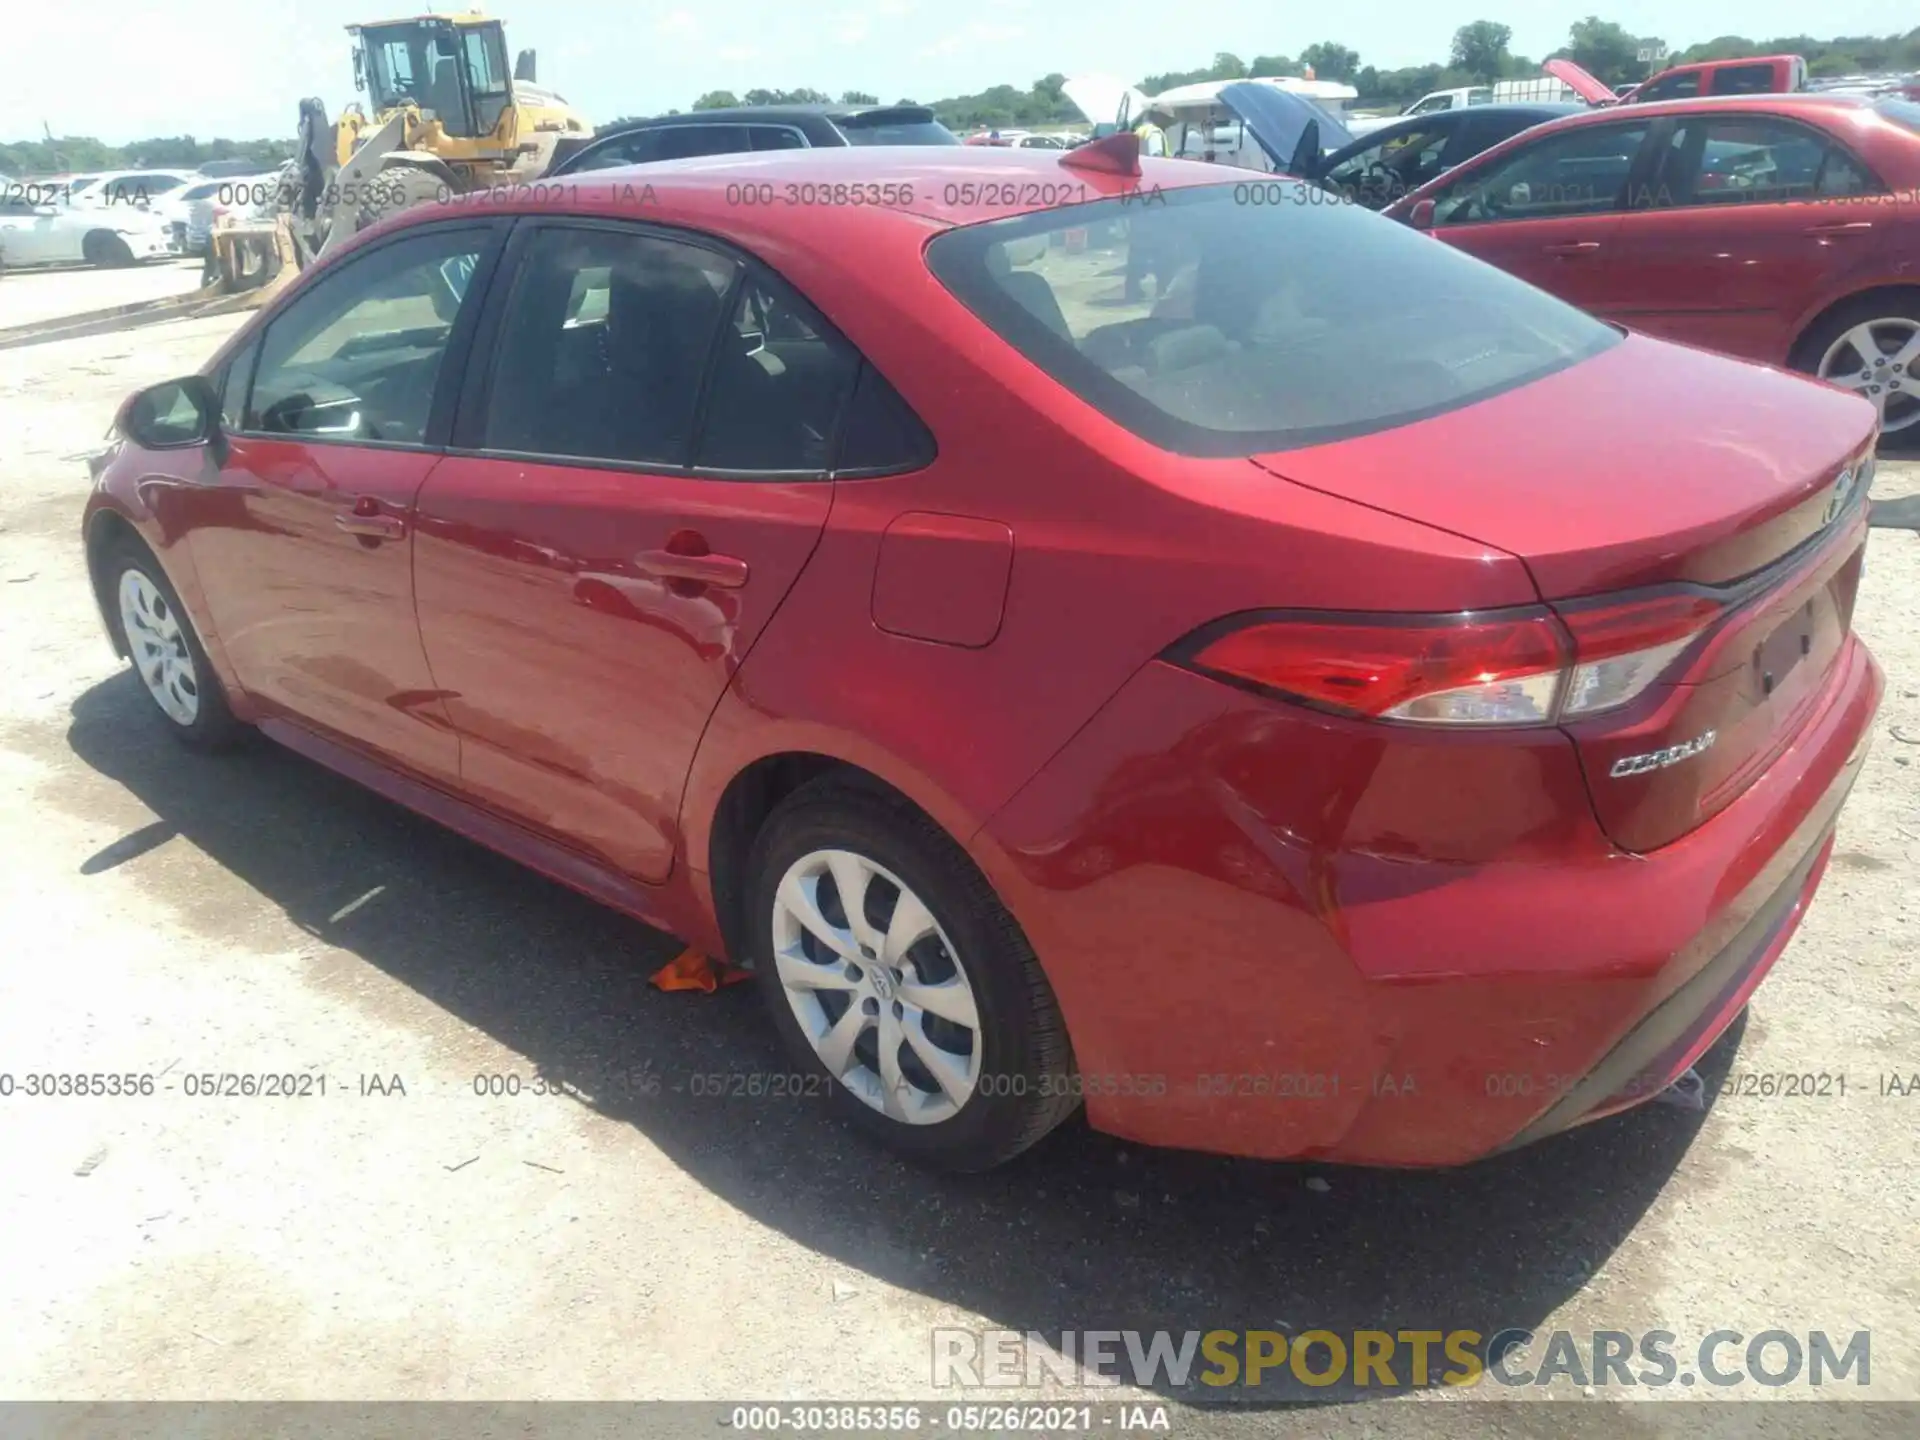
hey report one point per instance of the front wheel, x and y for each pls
(1871, 347)
(892, 971)
(166, 653)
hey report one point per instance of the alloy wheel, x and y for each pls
(1880, 361)
(879, 990)
(158, 643)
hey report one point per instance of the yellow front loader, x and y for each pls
(443, 117)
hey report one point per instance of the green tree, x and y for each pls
(858, 97)
(1604, 49)
(717, 100)
(1480, 49)
(1266, 66)
(1331, 61)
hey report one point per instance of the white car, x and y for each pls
(124, 189)
(33, 234)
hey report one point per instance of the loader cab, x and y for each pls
(453, 71)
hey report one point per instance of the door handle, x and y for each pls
(1574, 247)
(365, 519)
(727, 572)
(1841, 227)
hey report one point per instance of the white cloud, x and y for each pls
(853, 32)
(682, 24)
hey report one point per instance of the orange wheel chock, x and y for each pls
(690, 970)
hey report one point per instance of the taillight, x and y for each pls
(1529, 666)
(1492, 668)
(1623, 646)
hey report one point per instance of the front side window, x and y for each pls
(1383, 172)
(1576, 172)
(358, 356)
(604, 345)
(1431, 104)
(1211, 325)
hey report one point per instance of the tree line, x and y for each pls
(1480, 54)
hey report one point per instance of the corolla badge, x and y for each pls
(1841, 496)
(1661, 759)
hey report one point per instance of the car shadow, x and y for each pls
(1082, 1233)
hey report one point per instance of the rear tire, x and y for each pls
(957, 1055)
(1871, 346)
(106, 250)
(166, 652)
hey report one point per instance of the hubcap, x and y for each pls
(877, 987)
(159, 647)
(1878, 359)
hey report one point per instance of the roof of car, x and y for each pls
(1767, 100)
(808, 197)
(748, 114)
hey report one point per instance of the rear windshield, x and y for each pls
(908, 125)
(1236, 319)
(1900, 112)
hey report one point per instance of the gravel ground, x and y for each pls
(252, 914)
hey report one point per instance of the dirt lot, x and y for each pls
(27, 296)
(174, 914)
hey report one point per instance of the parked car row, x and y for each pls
(121, 217)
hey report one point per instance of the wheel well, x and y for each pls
(744, 807)
(1798, 358)
(108, 531)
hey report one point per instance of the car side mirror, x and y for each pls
(1420, 217)
(173, 415)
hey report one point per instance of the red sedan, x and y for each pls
(1782, 228)
(1338, 701)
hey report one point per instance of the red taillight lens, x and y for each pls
(1499, 668)
(1531, 666)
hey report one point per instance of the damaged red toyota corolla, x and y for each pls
(1077, 634)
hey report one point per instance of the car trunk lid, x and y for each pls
(1653, 471)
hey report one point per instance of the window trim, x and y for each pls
(476, 390)
(1637, 168)
(1825, 137)
(453, 362)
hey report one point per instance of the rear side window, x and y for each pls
(681, 142)
(1744, 80)
(776, 137)
(1753, 160)
(882, 435)
(903, 125)
(603, 346)
(780, 380)
(1256, 327)
(1671, 87)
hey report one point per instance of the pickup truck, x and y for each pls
(1455, 99)
(1751, 75)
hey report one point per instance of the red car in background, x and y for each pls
(1780, 228)
(1337, 701)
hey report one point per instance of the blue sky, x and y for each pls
(123, 69)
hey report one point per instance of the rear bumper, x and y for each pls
(1255, 957)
